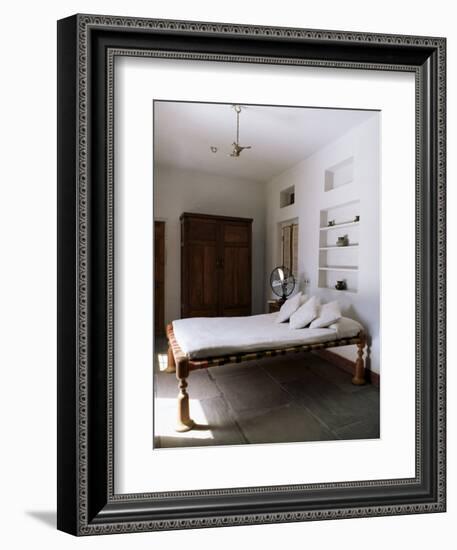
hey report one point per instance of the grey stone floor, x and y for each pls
(277, 400)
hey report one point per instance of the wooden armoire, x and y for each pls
(215, 265)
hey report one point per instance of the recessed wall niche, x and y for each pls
(339, 233)
(340, 174)
(287, 196)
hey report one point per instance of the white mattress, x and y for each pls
(201, 337)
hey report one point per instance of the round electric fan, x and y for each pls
(282, 282)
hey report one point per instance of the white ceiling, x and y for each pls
(280, 136)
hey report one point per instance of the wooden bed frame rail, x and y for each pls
(179, 362)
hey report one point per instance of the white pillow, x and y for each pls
(304, 314)
(328, 314)
(304, 298)
(288, 307)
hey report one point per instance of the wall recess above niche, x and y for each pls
(340, 174)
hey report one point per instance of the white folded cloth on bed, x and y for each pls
(346, 328)
(201, 337)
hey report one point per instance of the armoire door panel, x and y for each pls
(236, 233)
(203, 295)
(202, 230)
(236, 278)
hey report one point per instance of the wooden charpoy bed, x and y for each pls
(179, 362)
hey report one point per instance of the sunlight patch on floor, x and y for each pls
(166, 409)
(162, 359)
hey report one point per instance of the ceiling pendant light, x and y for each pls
(237, 148)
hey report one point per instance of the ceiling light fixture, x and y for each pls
(237, 148)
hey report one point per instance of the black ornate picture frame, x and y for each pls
(87, 502)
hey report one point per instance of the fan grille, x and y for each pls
(282, 282)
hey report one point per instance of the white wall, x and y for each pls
(308, 176)
(177, 191)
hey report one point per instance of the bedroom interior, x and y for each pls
(254, 204)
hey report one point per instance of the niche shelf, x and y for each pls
(328, 277)
(338, 247)
(339, 225)
(348, 290)
(339, 268)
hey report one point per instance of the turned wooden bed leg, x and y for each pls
(171, 365)
(185, 423)
(359, 375)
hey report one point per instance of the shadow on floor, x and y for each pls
(48, 517)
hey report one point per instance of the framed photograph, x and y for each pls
(251, 299)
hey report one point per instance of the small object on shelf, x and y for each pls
(342, 241)
(357, 218)
(341, 285)
(331, 222)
